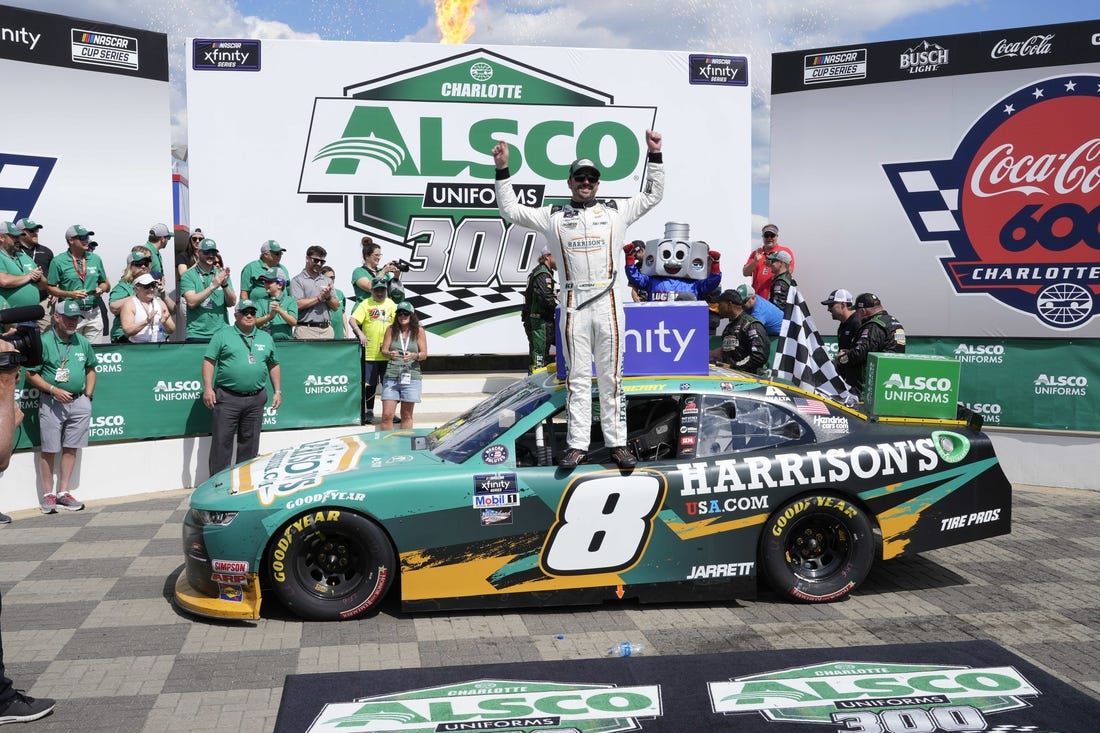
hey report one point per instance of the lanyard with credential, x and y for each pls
(61, 374)
(248, 342)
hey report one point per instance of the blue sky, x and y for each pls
(754, 27)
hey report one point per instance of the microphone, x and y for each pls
(21, 314)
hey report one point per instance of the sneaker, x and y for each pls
(68, 501)
(572, 457)
(24, 708)
(623, 457)
(368, 418)
(49, 504)
(4, 518)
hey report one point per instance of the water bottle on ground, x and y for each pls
(624, 649)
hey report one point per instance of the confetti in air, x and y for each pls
(452, 17)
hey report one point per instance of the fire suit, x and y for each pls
(585, 242)
(880, 332)
(745, 344)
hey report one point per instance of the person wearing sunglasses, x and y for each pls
(190, 256)
(138, 263)
(144, 318)
(585, 236)
(315, 296)
(757, 265)
(208, 291)
(79, 275)
(253, 275)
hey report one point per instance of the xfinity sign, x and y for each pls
(398, 147)
(668, 339)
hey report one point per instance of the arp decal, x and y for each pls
(1018, 202)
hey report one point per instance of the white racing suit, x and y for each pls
(585, 242)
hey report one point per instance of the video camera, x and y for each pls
(402, 265)
(27, 340)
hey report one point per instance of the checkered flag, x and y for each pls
(800, 356)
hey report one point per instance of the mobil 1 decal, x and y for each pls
(408, 154)
(874, 697)
(1019, 203)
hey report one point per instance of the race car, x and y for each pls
(738, 478)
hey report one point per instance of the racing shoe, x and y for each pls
(24, 708)
(572, 457)
(68, 501)
(623, 457)
(49, 504)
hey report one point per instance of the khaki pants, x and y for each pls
(313, 333)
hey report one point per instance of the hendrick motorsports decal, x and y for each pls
(1018, 202)
(492, 705)
(408, 153)
(871, 696)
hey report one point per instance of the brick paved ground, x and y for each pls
(87, 618)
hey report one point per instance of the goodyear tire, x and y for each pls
(817, 548)
(330, 565)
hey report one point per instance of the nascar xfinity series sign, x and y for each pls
(963, 171)
(393, 141)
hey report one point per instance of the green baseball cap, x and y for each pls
(68, 308)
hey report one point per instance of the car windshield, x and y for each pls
(486, 421)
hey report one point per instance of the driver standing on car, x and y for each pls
(584, 236)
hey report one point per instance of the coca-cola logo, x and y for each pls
(1034, 46)
(1019, 203)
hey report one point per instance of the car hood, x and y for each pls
(332, 463)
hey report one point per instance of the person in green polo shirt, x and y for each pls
(19, 276)
(65, 379)
(235, 371)
(271, 257)
(78, 274)
(276, 312)
(208, 291)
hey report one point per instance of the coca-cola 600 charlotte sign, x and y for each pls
(1019, 203)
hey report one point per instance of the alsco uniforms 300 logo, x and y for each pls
(1019, 203)
(409, 156)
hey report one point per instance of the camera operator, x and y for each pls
(15, 707)
(362, 278)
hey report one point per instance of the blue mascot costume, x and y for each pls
(672, 268)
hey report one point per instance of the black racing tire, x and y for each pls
(817, 548)
(330, 565)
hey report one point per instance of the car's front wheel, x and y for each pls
(817, 548)
(331, 565)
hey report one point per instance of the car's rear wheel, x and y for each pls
(331, 565)
(817, 548)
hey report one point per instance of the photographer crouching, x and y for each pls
(21, 346)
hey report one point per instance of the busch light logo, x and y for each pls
(1018, 202)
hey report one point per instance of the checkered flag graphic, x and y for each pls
(436, 306)
(929, 193)
(800, 356)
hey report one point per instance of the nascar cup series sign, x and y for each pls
(394, 141)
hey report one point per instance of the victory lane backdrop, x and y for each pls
(155, 391)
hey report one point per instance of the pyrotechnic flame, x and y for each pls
(452, 17)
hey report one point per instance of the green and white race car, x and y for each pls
(738, 477)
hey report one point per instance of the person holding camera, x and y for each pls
(316, 300)
(15, 706)
(362, 278)
(65, 381)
